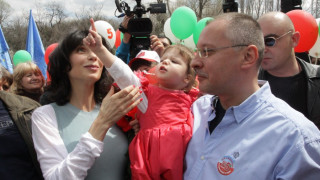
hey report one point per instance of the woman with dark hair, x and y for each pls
(74, 136)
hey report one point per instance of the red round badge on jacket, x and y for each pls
(225, 166)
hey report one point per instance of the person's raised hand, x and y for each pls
(125, 21)
(156, 45)
(124, 24)
(93, 40)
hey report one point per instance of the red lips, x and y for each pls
(92, 67)
(162, 68)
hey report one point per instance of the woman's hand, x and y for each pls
(113, 107)
(93, 40)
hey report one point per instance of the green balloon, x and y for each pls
(21, 56)
(183, 21)
(199, 27)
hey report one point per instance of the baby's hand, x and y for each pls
(135, 126)
(93, 40)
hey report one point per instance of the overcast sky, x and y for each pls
(22, 6)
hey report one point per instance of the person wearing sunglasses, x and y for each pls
(241, 130)
(291, 79)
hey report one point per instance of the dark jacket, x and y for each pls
(20, 109)
(312, 74)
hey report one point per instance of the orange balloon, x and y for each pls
(306, 24)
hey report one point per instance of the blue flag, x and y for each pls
(35, 47)
(4, 53)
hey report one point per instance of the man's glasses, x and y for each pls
(204, 53)
(271, 41)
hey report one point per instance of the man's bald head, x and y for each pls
(276, 19)
(279, 55)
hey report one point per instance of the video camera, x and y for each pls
(287, 6)
(139, 28)
(230, 6)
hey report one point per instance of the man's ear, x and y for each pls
(295, 38)
(250, 56)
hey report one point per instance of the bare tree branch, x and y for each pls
(5, 10)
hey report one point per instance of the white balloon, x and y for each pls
(315, 50)
(189, 42)
(168, 32)
(106, 31)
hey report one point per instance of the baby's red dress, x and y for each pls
(157, 151)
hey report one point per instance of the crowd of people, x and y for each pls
(241, 106)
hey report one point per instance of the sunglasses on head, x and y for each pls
(271, 41)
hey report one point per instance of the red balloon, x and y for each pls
(118, 39)
(306, 24)
(49, 49)
(47, 53)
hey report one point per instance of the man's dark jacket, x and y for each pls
(312, 74)
(20, 108)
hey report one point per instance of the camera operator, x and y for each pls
(123, 51)
(137, 30)
(158, 44)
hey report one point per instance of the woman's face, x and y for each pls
(85, 65)
(32, 81)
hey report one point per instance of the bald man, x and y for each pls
(291, 79)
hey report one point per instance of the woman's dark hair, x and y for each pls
(59, 89)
